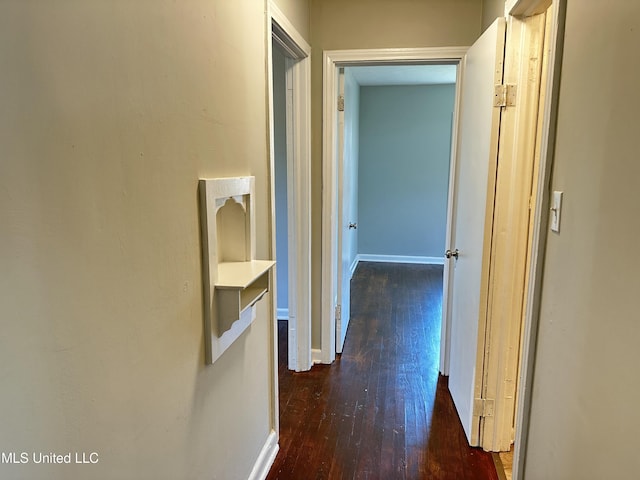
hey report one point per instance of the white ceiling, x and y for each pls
(404, 74)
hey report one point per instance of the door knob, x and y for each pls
(453, 253)
(353, 226)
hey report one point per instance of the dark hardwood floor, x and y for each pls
(381, 411)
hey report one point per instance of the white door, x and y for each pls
(347, 172)
(476, 177)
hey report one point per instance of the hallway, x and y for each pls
(381, 411)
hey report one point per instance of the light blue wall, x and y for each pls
(403, 175)
(280, 147)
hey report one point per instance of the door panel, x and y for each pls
(341, 299)
(347, 168)
(475, 185)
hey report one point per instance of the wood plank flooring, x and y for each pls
(381, 411)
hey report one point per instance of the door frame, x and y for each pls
(525, 67)
(298, 61)
(523, 8)
(332, 61)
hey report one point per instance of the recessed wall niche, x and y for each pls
(234, 281)
(231, 222)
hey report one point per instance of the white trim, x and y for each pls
(282, 314)
(299, 180)
(297, 46)
(329, 207)
(274, 410)
(266, 458)
(316, 355)
(332, 60)
(395, 56)
(367, 257)
(541, 214)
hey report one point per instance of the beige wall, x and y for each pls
(346, 24)
(109, 114)
(491, 9)
(585, 415)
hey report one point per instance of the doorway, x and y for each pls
(394, 149)
(289, 82)
(282, 149)
(332, 234)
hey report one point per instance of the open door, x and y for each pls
(473, 220)
(347, 172)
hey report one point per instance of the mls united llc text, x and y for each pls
(49, 458)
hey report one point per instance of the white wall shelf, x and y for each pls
(240, 285)
(234, 281)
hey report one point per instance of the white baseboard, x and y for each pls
(282, 313)
(316, 356)
(266, 458)
(366, 257)
(354, 265)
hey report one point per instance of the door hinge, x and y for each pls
(341, 103)
(338, 313)
(505, 95)
(484, 407)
